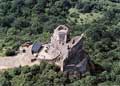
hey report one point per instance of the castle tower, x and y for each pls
(60, 36)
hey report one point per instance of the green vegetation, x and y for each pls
(10, 52)
(35, 20)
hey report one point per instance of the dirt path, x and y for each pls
(21, 59)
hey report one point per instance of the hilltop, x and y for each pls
(35, 20)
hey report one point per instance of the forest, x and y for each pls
(35, 20)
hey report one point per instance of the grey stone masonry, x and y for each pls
(68, 53)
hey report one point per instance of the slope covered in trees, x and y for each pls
(34, 20)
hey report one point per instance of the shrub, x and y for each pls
(10, 52)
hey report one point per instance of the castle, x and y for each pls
(67, 53)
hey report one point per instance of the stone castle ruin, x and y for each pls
(66, 52)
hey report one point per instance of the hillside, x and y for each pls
(34, 20)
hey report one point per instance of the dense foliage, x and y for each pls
(35, 20)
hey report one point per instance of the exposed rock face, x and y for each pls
(67, 53)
